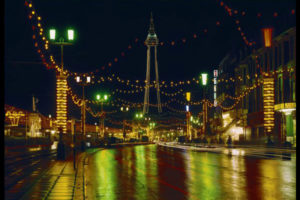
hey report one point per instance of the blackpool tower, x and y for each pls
(151, 42)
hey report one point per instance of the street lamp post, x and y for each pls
(188, 114)
(61, 81)
(102, 98)
(83, 105)
(139, 116)
(204, 82)
(124, 109)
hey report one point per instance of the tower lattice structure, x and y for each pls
(151, 42)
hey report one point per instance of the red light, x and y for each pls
(172, 43)
(293, 11)
(161, 43)
(275, 14)
(243, 13)
(129, 47)
(258, 14)
(109, 64)
(116, 59)
(221, 3)
(122, 54)
(195, 36)
(218, 23)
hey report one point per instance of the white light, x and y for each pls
(287, 111)
(52, 34)
(52, 132)
(88, 79)
(70, 34)
(77, 79)
(187, 108)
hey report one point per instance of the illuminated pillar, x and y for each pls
(268, 97)
(61, 102)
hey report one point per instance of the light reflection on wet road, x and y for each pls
(153, 172)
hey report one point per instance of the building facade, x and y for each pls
(279, 61)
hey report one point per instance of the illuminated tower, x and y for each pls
(61, 102)
(151, 41)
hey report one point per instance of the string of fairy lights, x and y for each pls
(42, 45)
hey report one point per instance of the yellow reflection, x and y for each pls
(203, 176)
(233, 177)
(35, 149)
(106, 178)
(288, 180)
(270, 173)
(141, 170)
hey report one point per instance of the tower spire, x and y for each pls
(151, 28)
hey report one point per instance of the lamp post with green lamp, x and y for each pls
(124, 109)
(61, 91)
(102, 98)
(204, 83)
(139, 116)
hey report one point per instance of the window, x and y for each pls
(293, 84)
(244, 75)
(266, 62)
(292, 44)
(286, 52)
(279, 55)
(271, 60)
(280, 90)
(275, 58)
(287, 90)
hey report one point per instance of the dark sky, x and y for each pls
(105, 28)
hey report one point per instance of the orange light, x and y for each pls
(267, 36)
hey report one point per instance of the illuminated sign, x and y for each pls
(188, 96)
(14, 117)
(267, 36)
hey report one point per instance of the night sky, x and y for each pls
(105, 28)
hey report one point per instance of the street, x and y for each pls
(154, 172)
(159, 172)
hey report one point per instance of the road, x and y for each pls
(158, 172)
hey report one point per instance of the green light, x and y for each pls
(136, 115)
(71, 34)
(52, 34)
(141, 115)
(204, 78)
(98, 97)
(105, 97)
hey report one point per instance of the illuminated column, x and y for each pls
(268, 97)
(188, 115)
(61, 102)
(215, 87)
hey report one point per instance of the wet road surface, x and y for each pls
(156, 172)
